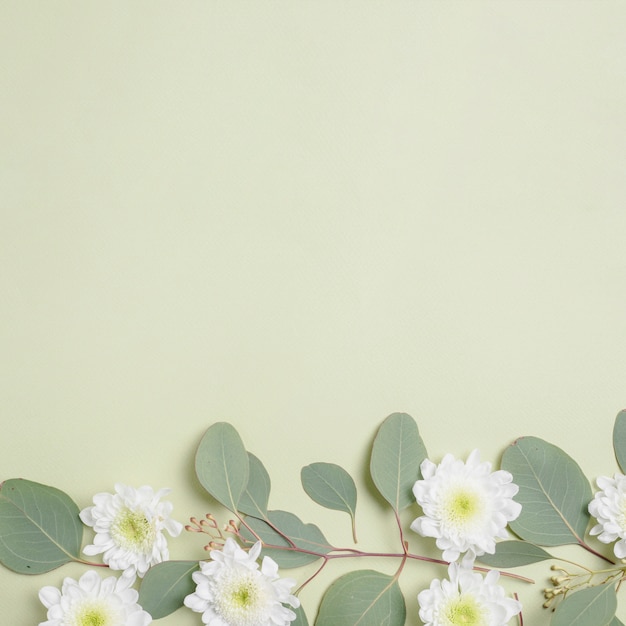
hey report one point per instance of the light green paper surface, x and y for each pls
(300, 218)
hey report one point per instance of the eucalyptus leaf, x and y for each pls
(553, 492)
(165, 585)
(307, 537)
(222, 464)
(40, 529)
(514, 554)
(615, 622)
(397, 453)
(331, 486)
(363, 598)
(619, 440)
(594, 606)
(301, 619)
(254, 499)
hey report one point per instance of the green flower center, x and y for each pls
(241, 599)
(93, 614)
(465, 611)
(132, 530)
(462, 506)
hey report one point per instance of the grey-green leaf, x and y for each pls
(397, 453)
(40, 529)
(222, 464)
(301, 619)
(331, 486)
(165, 586)
(363, 598)
(594, 606)
(619, 439)
(615, 622)
(514, 554)
(254, 499)
(553, 492)
(307, 537)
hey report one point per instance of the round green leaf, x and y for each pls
(594, 606)
(363, 598)
(165, 586)
(553, 492)
(514, 554)
(619, 439)
(254, 499)
(39, 527)
(331, 486)
(397, 453)
(306, 537)
(222, 464)
(301, 619)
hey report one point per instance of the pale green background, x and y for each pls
(301, 217)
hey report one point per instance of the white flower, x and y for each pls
(466, 599)
(466, 505)
(129, 527)
(93, 601)
(231, 590)
(609, 508)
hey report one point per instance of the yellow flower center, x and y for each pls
(465, 611)
(462, 507)
(93, 613)
(241, 599)
(132, 530)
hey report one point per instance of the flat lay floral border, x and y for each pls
(485, 522)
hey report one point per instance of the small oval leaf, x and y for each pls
(619, 440)
(222, 464)
(514, 554)
(331, 486)
(254, 499)
(594, 606)
(165, 585)
(363, 598)
(40, 529)
(279, 524)
(553, 492)
(397, 453)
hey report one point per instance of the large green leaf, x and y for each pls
(254, 499)
(331, 486)
(305, 537)
(594, 606)
(553, 492)
(222, 464)
(301, 619)
(514, 554)
(39, 527)
(165, 586)
(363, 598)
(397, 453)
(619, 439)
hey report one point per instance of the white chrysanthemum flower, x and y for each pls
(466, 505)
(466, 599)
(231, 590)
(129, 525)
(609, 508)
(92, 601)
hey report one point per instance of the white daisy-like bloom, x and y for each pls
(609, 508)
(466, 505)
(231, 589)
(129, 527)
(466, 599)
(92, 601)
